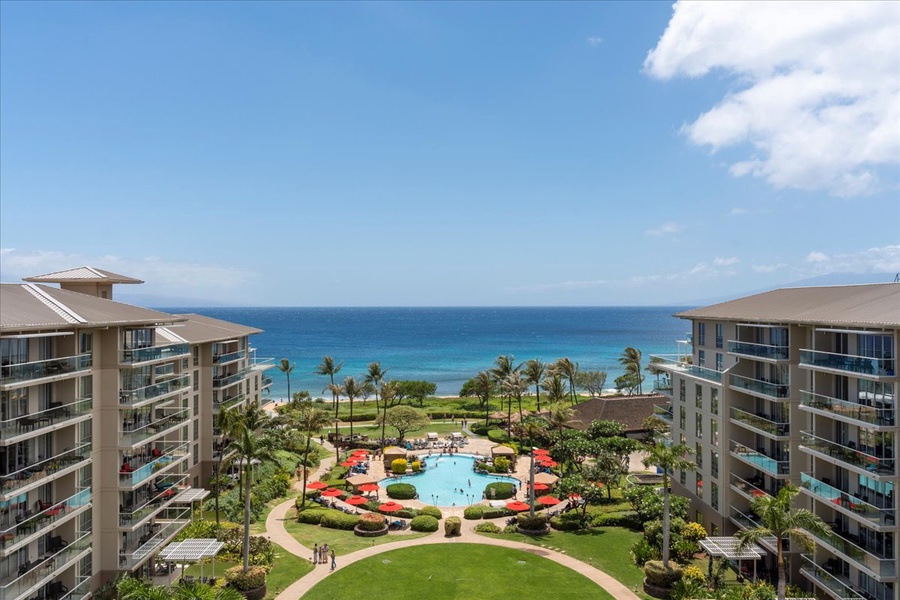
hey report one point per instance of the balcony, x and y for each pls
(673, 365)
(765, 351)
(136, 552)
(879, 413)
(148, 393)
(228, 402)
(847, 503)
(266, 382)
(228, 380)
(132, 356)
(663, 386)
(42, 522)
(39, 472)
(760, 423)
(849, 455)
(847, 363)
(156, 466)
(845, 544)
(750, 490)
(35, 574)
(750, 521)
(57, 416)
(149, 501)
(81, 590)
(221, 359)
(158, 428)
(22, 373)
(832, 584)
(664, 412)
(767, 389)
(760, 460)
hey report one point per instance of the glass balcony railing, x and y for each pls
(44, 568)
(750, 521)
(152, 392)
(674, 365)
(81, 590)
(39, 369)
(864, 365)
(44, 519)
(883, 567)
(759, 459)
(760, 423)
(880, 413)
(858, 506)
(664, 412)
(831, 582)
(851, 455)
(261, 364)
(220, 359)
(228, 402)
(227, 380)
(139, 355)
(266, 382)
(748, 489)
(663, 386)
(138, 550)
(51, 417)
(150, 501)
(758, 350)
(158, 427)
(769, 389)
(38, 471)
(154, 467)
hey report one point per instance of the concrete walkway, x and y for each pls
(276, 532)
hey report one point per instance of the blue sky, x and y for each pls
(427, 153)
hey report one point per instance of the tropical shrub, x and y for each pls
(406, 513)
(493, 513)
(433, 511)
(398, 466)
(694, 572)
(487, 528)
(198, 529)
(255, 577)
(499, 490)
(452, 526)
(401, 491)
(660, 576)
(312, 515)
(616, 519)
(531, 523)
(473, 512)
(479, 428)
(371, 522)
(498, 435)
(334, 519)
(567, 522)
(502, 464)
(693, 532)
(416, 466)
(642, 551)
(649, 505)
(424, 523)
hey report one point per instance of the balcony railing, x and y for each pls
(148, 501)
(663, 386)
(758, 350)
(749, 521)
(38, 471)
(228, 402)
(266, 382)
(154, 467)
(220, 359)
(160, 426)
(881, 414)
(765, 388)
(44, 568)
(883, 567)
(760, 423)
(849, 455)
(827, 580)
(44, 519)
(81, 590)
(51, 417)
(227, 380)
(138, 355)
(673, 365)
(152, 392)
(854, 504)
(135, 553)
(864, 365)
(39, 369)
(664, 412)
(748, 489)
(759, 460)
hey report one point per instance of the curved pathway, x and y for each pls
(277, 533)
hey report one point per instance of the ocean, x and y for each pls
(447, 346)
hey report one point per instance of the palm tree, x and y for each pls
(779, 519)
(286, 367)
(352, 389)
(375, 376)
(484, 387)
(568, 369)
(631, 360)
(668, 458)
(562, 417)
(226, 421)
(503, 369)
(388, 393)
(531, 430)
(309, 420)
(514, 386)
(327, 367)
(534, 375)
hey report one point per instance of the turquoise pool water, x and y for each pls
(449, 481)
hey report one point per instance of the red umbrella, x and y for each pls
(541, 451)
(517, 506)
(333, 492)
(360, 453)
(369, 487)
(349, 463)
(356, 500)
(548, 463)
(548, 500)
(541, 487)
(317, 485)
(390, 507)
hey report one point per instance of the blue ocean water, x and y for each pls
(447, 346)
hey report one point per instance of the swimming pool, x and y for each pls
(449, 481)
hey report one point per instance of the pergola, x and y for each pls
(191, 495)
(192, 550)
(728, 547)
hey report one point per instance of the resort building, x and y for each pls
(796, 386)
(107, 429)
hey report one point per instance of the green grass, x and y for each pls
(259, 527)
(220, 567)
(342, 542)
(607, 548)
(374, 431)
(287, 569)
(456, 571)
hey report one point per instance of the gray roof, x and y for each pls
(198, 329)
(871, 305)
(31, 307)
(82, 275)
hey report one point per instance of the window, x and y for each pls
(681, 390)
(681, 416)
(196, 380)
(681, 439)
(698, 452)
(714, 400)
(714, 463)
(714, 495)
(13, 351)
(698, 395)
(85, 343)
(701, 334)
(699, 485)
(137, 338)
(720, 362)
(196, 353)
(698, 425)
(720, 335)
(682, 477)
(196, 404)
(196, 429)
(196, 453)
(701, 358)
(714, 432)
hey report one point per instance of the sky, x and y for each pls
(442, 154)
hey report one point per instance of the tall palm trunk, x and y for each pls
(509, 415)
(782, 576)
(383, 419)
(665, 524)
(537, 388)
(247, 519)
(305, 459)
(218, 474)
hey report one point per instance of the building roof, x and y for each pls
(870, 305)
(31, 307)
(82, 275)
(631, 411)
(198, 329)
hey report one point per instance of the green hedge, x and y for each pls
(659, 576)
(424, 523)
(452, 526)
(312, 515)
(334, 519)
(406, 513)
(567, 522)
(473, 512)
(535, 523)
(487, 528)
(627, 519)
(479, 428)
(493, 513)
(401, 491)
(433, 511)
(255, 577)
(498, 435)
(502, 490)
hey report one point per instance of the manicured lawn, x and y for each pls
(456, 571)
(607, 548)
(287, 569)
(343, 542)
(374, 431)
(220, 567)
(259, 526)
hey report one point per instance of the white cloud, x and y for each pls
(767, 268)
(156, 272)
(594, 41)
(669, 228)
(817, 93)
(885, 259)
(737, 210)
(725, 262)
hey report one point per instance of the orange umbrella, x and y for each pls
(349, 463)
(542, 451)
(548, 500)
(333, 492)
(369, 487)
(517, 506)
(317, 485)
(356, 500)
(390, 507)
(541, 487)
(548, 463)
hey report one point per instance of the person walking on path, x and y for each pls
(333, 563)
(315, 553)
